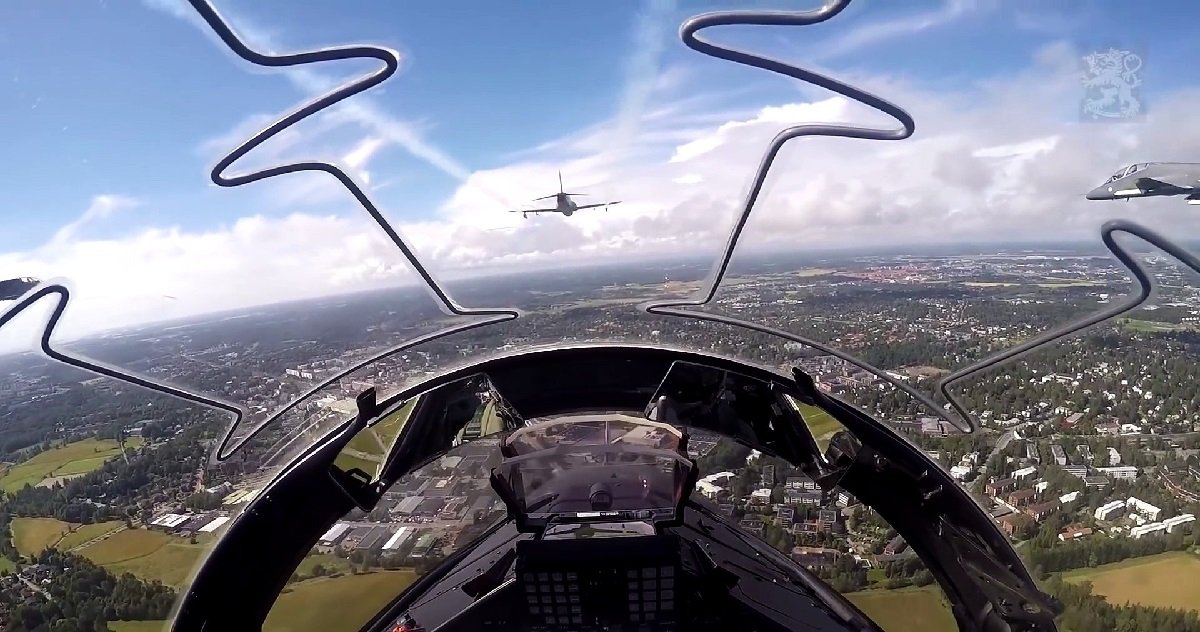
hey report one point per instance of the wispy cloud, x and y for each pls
(651, 32)
(358, 110)
(879, 31)
(102, 207)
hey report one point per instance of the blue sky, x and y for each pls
(117, 117)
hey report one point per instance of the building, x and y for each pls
(1147, 529)
(784, 516)
(1021, 497)
(811, 557)
(768, 476)
(374, 540)
(845, 499)
(1078, 471)
(960, 472)
(799, 483)
(995, 488)
(424, 546)
(1085, 452)
(760, 496)
(1110, 510)
(1060, 457)
(1095, 481)
(806, 499)
(1031, 452)
(1114, 457)
(407, 506)
(1119, 471)
(896, 545)
(1041, 511)
(827, 521)
(1110, 429)
(1014, 523)
(398, 539)
(1178, 522)
(1150, 512)
(220, 491)
(1074, 532)
(1024, 473)
(1068, 497)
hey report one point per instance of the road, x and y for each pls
(103, 536)
(1007, 438)
(34, 587)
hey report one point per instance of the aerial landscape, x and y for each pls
(297, 333)
(1091, 466)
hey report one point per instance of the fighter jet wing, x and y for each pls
(583, 206)
(1153, 184)
(12, 289)
(537, 210)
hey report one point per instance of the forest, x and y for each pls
(1094, 551)
(123, 487)
(1085, 612)
(84, 597)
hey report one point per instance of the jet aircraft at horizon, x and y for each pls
(1150, 179)
(563, 203)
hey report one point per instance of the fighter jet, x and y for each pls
(12, 289)
(1146, 179)
(563, 203)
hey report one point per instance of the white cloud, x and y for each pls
(1004, 159)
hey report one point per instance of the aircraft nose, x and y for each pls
(1099, 193)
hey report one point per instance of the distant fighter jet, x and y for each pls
(1147, 179)
(564, 203)
(12, 289)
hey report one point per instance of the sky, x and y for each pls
(115, 116)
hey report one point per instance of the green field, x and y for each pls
(820, 423)
(989, 284)
(906, 609)
(32, 535)
(1150, 326)
(1166, 580)
(148, 555)
(390, 426)
(369, 447)
(331, 562)
(137, 626)
(1061, 284)
(7, 565)
(72, 459)
(339, 603)
(86, 532)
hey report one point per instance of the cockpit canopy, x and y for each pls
(608, 468)
(1134, 168)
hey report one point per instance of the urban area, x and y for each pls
(1088, 456)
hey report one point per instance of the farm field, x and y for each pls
(32, 535)
(72, 459)
(1166, 580)
(335, 603)
(149, 555)
(906, 609)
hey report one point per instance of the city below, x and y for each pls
(1088, 455)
